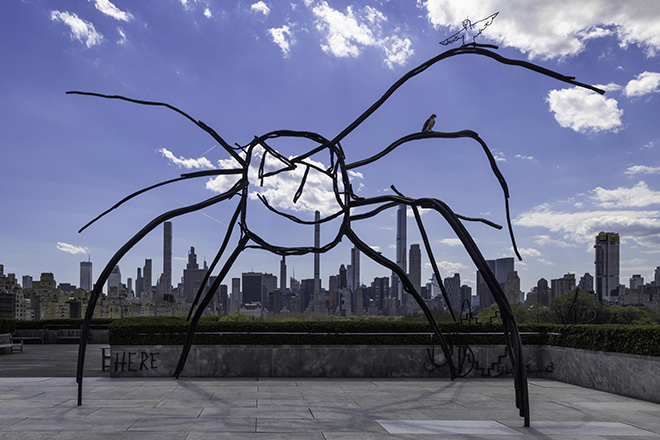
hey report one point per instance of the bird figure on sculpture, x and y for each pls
(470, 30)
(428, 125)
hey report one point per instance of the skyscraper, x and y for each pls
(147, 289)
(415, 267)
(114, 281)
(317, 256)
(283, 276)
(86, 275)
(355, 269)
(166, 279)
(501, 269)
(607, 266)
(453, 289)
(193, 277)
(401, 248)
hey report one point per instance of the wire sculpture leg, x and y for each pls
(215, 261)
(407, 285)
(240, 247)
(511, 333)
(105, 274)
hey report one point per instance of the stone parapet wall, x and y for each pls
(300, 361)
(624, 374)
(619, 373)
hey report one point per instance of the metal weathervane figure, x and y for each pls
(257, 161)
(470, 30)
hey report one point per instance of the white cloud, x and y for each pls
(207, 13)
(109, 9)
(376, 248)
(283, 37)
(639, 195)
(645, 83)
(642, 169)
(498, 155)
(546, 262)
(201, 162)
(528, 252)
(397, 50)
(581, 227)
(81, 30)
(122, 35)
(280, 188)
(448, 266)
(71, 249)
(554, 29)
(584, 111)
(545, 240)
(346, 33)
(611, 87)
(521, 157)
(260, 7)
(451, 241)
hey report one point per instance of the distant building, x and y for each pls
(415, 267)
(512, 287)
(586, 283)
(114, 280)
(86, 282)
(401, 247)
(501, 269)
(607, 266)
(193, 277)
(355, 269)
(562, 286)
(453, 289)
(636, 281)
(147, 289)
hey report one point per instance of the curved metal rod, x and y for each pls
(452, 135)
(240, 247)
(216, 259)
(200, 124)
(408, 287)
(149, 188)
(476, 49)
(511, 333)
(105, 274)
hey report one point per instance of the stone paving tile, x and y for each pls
(247, 403)
(26, 435)
(354, 424)
(395, 413)
(72, 435)
(70, 424)
(212, 424)
(146, 412)
(309, 403)
(265, 413)
(255, 436)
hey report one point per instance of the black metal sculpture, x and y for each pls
(346, 201)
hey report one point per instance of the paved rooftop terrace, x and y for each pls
(38, 401)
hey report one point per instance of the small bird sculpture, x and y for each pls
(470, 30)
(428, 125)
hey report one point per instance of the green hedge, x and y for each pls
(634, 339)
(7, 325)
(171, 331)
(643, 340)
(61, 323)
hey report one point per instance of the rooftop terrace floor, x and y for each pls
(38, 401)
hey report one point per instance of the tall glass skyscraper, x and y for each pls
(86, 275)
(607, 266)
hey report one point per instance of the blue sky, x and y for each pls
(576, 163)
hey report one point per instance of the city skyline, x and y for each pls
(576, 163)
(501, 268)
